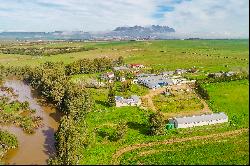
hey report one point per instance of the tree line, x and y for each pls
(203, 92)
(44, 51)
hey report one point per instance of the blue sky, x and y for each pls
(201, 18)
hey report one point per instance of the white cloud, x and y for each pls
(222, 18)
(195, 17)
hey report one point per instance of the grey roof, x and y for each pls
(167, 73)
(132, 99)
(154, 81)
(118, 98)
(145, 75)
(201, 118)
(135, 98)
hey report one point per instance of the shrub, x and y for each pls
(157, 124)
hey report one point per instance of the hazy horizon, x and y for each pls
(190, 18)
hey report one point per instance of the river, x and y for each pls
(38, 147)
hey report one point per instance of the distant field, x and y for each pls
(209, 55)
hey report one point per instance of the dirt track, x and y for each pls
(148, 98)
(148, 102)
(171, 141)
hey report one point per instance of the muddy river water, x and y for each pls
(38, 147)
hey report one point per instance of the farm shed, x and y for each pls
(132, 101)
(200, 120)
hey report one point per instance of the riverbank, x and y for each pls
(38, 147)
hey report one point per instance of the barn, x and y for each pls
(199, 120)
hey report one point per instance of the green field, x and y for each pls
(231, 98)
(208, 55)
(231, 150)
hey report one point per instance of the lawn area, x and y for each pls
(231, 98)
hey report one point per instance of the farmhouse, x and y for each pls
(136, 66)
(200, 120)
(108, 76)
(132, 101)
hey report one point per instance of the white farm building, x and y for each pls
(200, 120)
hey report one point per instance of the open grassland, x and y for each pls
(209, 55)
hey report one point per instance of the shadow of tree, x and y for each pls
(142, 128)
(49, 143)
(103, 103)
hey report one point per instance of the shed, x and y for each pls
(199, 120)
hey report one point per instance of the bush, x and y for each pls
(157, 124)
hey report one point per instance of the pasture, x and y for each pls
(207, 55)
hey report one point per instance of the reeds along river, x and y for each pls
(38, 147)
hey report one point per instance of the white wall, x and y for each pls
(201, 123)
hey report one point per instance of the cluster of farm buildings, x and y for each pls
(164, 79)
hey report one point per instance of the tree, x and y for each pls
(76, 102)
(157, 124)
(111, 96)
(120, 60)
(125, 86)
(67, 142)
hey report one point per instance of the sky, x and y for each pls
(194, 18)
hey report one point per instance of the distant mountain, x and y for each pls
(154, 31)
(140, 29)
(120, 33)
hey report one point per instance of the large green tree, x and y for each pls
(68, 144)
(76, 102)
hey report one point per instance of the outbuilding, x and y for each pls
(199, 120)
